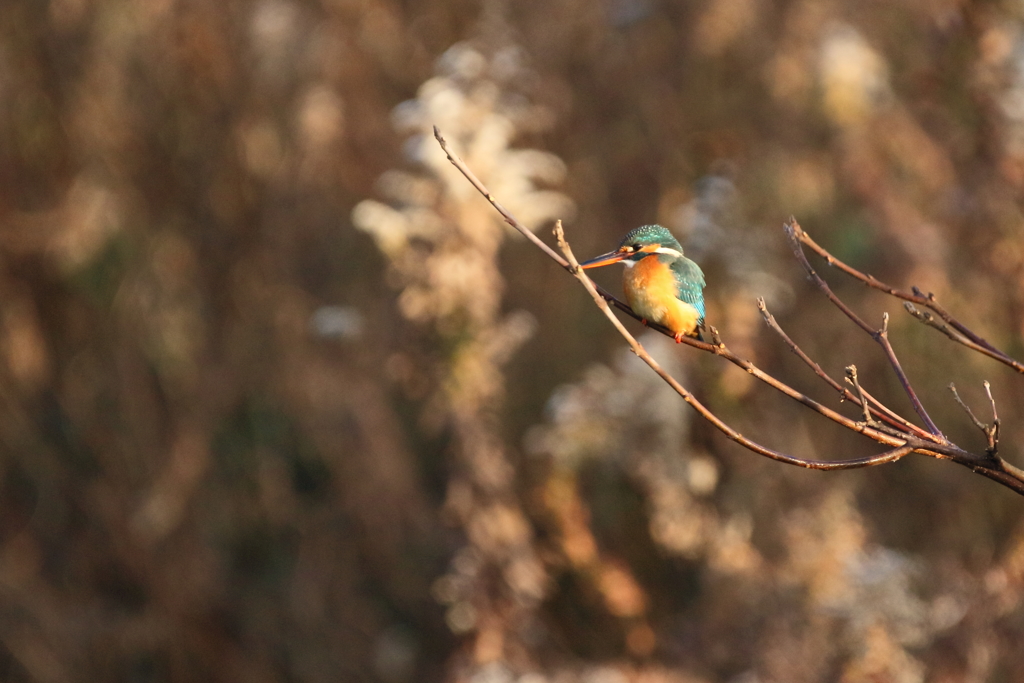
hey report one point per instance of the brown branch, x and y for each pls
(509, 218)
(878, 410)
(994, 466)
(991, 431)
(881, 336)
(902, 437)
(953, 328)
(967, 409)
(992, 401)
(851, 377)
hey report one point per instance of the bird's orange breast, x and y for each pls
(651, 292)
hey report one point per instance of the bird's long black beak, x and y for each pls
(605, 259)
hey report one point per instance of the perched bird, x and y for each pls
(661, 284)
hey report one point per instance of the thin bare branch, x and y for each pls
(882, 337)
(992, 431)
(956, 330)
(967, 409)
(509, 218)
(878, 410)
(793, 232)
(992, 401)
(930, 320)
(851, 377)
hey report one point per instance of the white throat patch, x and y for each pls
(629, 263)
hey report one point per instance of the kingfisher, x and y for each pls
(661, 284)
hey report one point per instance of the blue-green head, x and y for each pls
(639, 243)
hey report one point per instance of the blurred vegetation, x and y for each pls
(281, 399)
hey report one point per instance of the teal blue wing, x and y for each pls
(690, 284)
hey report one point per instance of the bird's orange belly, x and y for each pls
(651, 293)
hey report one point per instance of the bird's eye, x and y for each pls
(634, 248)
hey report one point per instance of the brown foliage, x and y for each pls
(281, 399)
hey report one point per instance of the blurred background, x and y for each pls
(281, 399)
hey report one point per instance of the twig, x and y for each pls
(959, 333)
(878, 410)
(992, 433)
(992, 401)
(930, 320)
(509, 218)
(881, 336)
(967, 409)
(851, 377)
